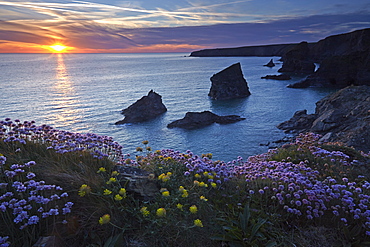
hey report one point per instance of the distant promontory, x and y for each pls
(246, 51)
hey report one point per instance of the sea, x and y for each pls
(86, 93)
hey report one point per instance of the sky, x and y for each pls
(114, 26)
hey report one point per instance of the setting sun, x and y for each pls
(58, 47)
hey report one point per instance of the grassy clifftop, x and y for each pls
(62, 184)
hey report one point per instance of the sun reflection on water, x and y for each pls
(65, 104)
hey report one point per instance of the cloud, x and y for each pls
(110, 28)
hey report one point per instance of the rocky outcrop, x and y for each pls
(245, 51)
(270, 64)
(229, 84)
(137, 181)
(194, 120)
(297, 60)
(146, 108)
(281, 77)
(343, 116)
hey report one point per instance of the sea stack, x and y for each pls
(146, 108)
(229, 84)
(270, 64)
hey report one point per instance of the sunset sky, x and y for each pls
(115, 26)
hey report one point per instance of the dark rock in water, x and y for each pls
(343, 116)
(137, 181)
(297, 60)
(194, 120)
(270, 64)
(229, 84)
(146, 108)
(281, 77)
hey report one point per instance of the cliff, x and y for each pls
(246, 51)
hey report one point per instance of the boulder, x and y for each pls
(229, 84)
(270, 64)
(281, 77)
(137, 181)
(146, 108)
(343, 116)
(194, 120)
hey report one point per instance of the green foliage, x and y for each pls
(245, 230)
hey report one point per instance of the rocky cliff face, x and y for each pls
(229, 84)
(343, 116)
(341, 44)
(344, 60)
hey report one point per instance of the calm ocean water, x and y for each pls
(86, 93)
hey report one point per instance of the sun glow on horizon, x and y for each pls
(58, 48)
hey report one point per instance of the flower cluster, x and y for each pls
(25, 202)
(60, 141)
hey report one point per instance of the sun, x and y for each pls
(58, 48)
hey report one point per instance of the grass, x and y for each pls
(305, 194)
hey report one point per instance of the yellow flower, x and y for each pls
(158, 152)
(196, 182)
(122, 192)
(198, 223)
(179, 206)
(84, 189)
(185, 193)
(128, 161)
(107, 192)
(205, 174)
(111, 180)
(202, 184)
(164, 177)
(214, 185)
(104, 219)
(118, 197)
(145, 142)
(197, 176)
(161, 212)
(115, 173)
(169, 173)
(101, 169)
(139, 149)
(148, 149)
(166, 193)
(144, 211)
(181, 188)
(193, 209)
(203, 198)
